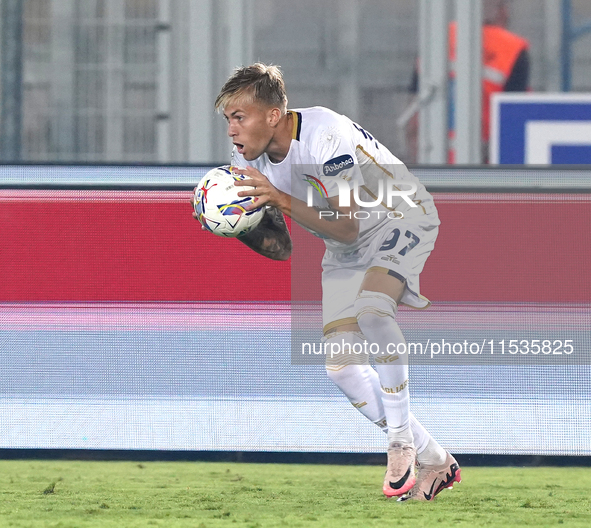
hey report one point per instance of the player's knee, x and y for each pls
(345, 353)
(374, 308)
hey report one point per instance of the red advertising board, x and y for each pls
(145, 246)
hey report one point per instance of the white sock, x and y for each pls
(432, 455)
(353, 374)
(361, 385)
(358, 383)
(429, 452)
(395, 409)
(375, 313)
(420, 434)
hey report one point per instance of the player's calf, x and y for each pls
(353, 375)
(375, 313)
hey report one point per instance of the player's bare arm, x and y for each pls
(271, 237)
(342, 227)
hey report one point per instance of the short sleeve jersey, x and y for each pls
(330, 156)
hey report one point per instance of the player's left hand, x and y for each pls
(264, 191)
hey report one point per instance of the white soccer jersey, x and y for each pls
(328, 149)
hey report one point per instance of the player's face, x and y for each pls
(250, 127)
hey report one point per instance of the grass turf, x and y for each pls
(81, 494)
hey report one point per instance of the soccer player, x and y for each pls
(374, 251)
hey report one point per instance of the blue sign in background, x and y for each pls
(514, 112)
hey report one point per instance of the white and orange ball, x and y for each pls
(220, 209)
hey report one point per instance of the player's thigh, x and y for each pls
(340, 286)
(377, 279)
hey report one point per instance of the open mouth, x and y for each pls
(239, 148)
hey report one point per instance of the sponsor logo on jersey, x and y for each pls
(334, 166)
(391, 258)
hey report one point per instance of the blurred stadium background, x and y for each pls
(133, 80)
(124, 327)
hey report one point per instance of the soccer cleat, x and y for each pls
(432, 479)
(400, 475)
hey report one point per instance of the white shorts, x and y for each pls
(399, 247)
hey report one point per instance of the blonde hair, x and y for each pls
(256, 83)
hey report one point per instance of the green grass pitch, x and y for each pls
(80, 494)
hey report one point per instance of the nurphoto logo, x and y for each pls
(387, 190)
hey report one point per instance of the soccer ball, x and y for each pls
(220, 209)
